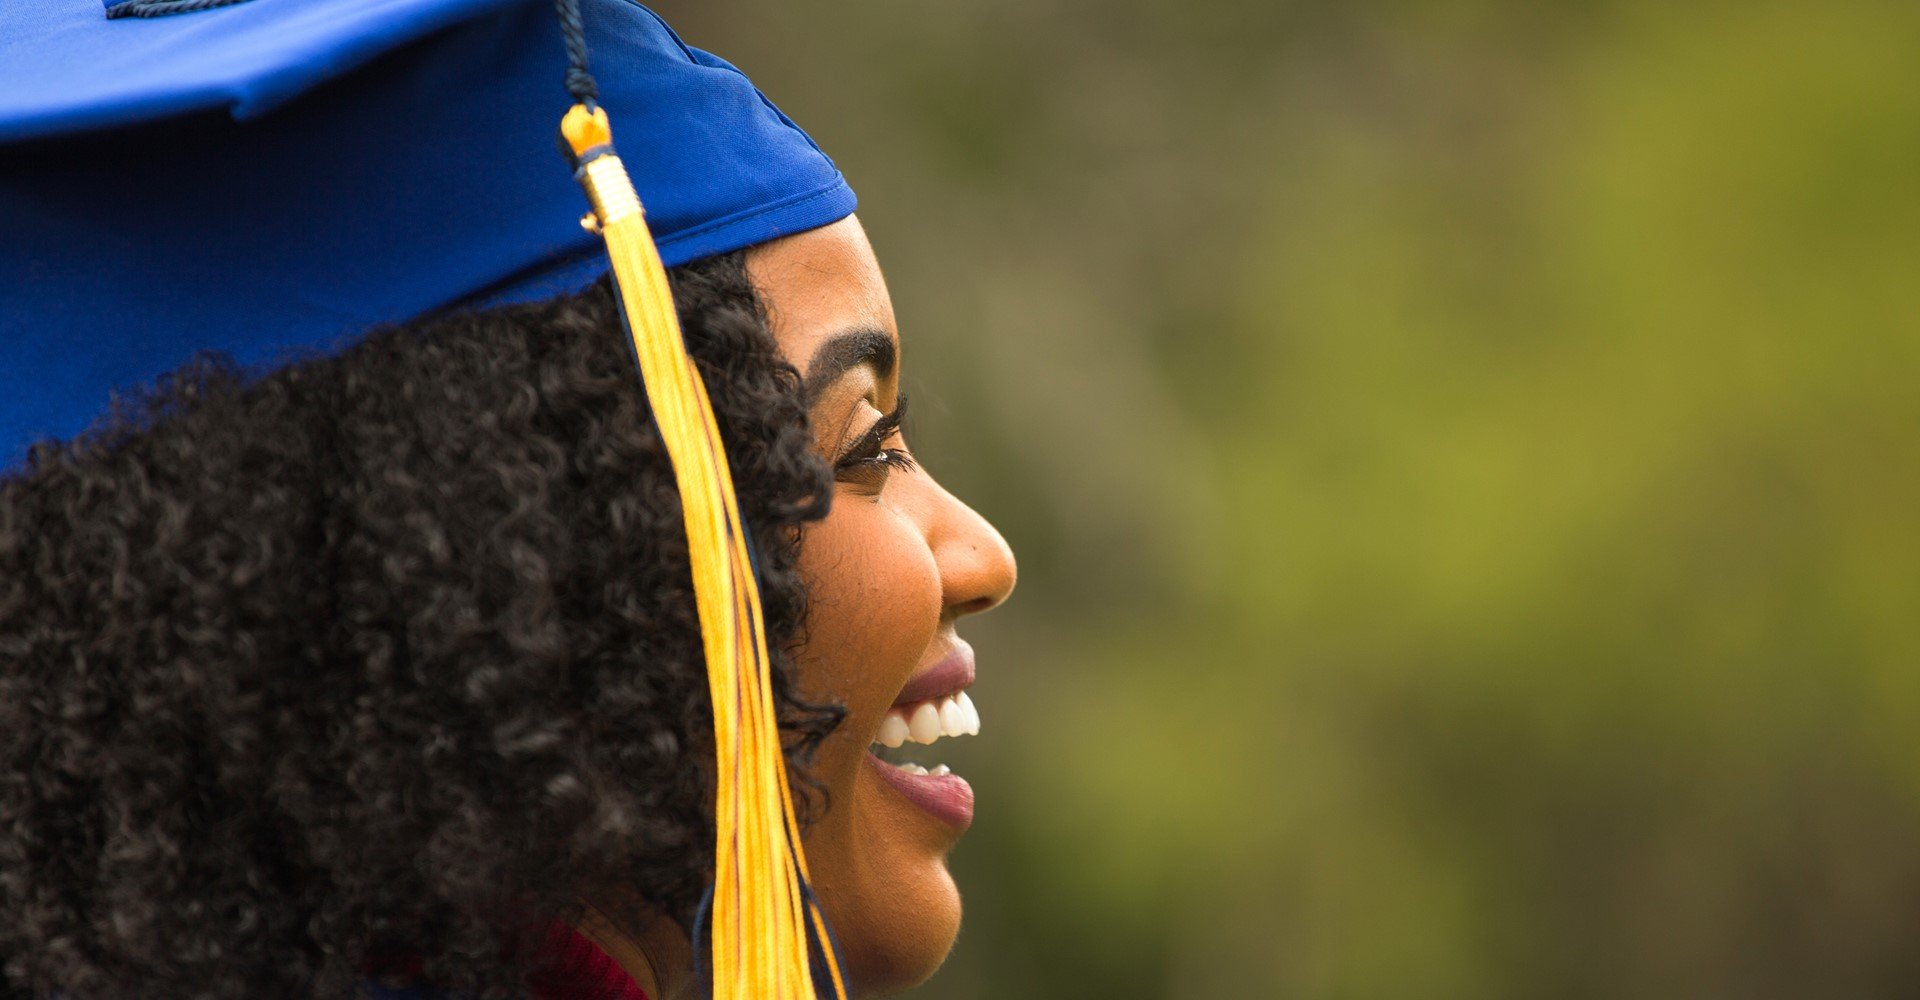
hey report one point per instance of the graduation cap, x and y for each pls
(269, 177)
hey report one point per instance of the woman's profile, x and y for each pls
(370, 663)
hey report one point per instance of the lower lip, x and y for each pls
(946, 797)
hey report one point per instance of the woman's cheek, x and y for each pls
(873, 605)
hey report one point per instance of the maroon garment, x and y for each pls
(576, 969)
(570, 967)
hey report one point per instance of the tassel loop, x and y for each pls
(582, 128)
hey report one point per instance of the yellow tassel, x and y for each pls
(760, 915)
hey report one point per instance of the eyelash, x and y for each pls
(866, 457)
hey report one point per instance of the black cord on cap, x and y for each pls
(580, 83)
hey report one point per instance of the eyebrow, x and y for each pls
(845, 352)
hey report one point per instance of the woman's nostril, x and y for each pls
(979, 571)
(975, 606)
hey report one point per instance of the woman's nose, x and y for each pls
(977, 569)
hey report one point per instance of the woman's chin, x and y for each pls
(880, 868)
(904, 946)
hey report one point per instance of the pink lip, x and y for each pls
(951, 675)
(947, 797)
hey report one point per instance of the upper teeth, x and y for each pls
(927, 721)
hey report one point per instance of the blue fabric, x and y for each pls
(270, 177)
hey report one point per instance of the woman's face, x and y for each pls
(890, 571)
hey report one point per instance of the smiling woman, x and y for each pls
(378, 669)
(890, 571)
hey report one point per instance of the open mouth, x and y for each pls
(934, 706)
(923, 723)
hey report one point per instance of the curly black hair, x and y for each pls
(385, 653)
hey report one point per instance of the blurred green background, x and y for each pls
(1465, 463)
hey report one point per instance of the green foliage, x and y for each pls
(1465, 459)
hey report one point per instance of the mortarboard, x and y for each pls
(274, 174)
(269, 177)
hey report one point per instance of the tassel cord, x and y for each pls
(762, 919)
(573, 32)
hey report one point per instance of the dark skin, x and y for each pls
(890, 572)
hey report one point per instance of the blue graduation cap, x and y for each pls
(269, 177)
(262, 176)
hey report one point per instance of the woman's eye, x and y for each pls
(868, 460)
(886, 459)
(871, 472)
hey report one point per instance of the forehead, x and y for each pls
(819, 284)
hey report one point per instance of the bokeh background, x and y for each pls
(1465, 463)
